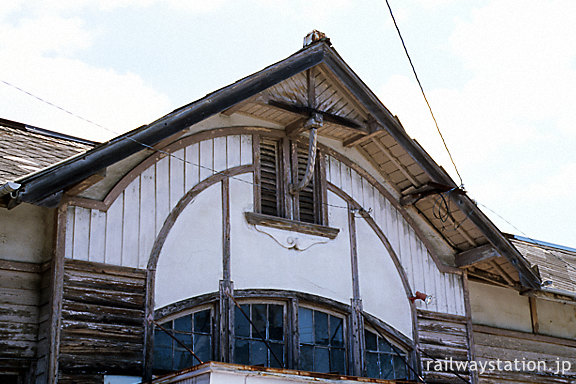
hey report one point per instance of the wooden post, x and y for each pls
(469, 328)
(356, 318)
(226, 332)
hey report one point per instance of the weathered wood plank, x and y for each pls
(298, 226)
(104, 297)
(101, 314)
(131, 224)
(105, 269)
(97, 248)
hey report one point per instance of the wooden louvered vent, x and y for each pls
(306, 197)
(269, 177)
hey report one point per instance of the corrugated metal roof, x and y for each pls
(25, 149)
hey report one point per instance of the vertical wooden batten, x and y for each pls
(469, 328)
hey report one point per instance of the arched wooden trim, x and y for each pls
(376, 184)
(183, 203)
(354, 204)
(351, 202)
(282, 295)
(244, 130)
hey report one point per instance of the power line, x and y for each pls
(424, 94)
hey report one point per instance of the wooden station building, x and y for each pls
(284, 227)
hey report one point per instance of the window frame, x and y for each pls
(288, 206)
(405, 354)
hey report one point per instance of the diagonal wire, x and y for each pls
(424, 94)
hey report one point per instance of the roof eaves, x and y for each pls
(52, 180)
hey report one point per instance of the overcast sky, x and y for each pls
(500, 76)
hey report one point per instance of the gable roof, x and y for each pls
(353, 115)
(26, 149)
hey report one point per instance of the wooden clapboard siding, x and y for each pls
(421, 270)
(493, 343)
(19, 312)
(442, 337)
(102, 326)
(44, 310)
(124, 234)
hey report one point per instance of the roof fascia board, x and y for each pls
(527, 276)
(70, 172)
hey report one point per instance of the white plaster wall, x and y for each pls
(499, 307)
(381, 287)
(190, 262)
(26, 233)
(556, 319)
(259, 261)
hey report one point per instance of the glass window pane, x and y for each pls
(370, 340)
(161, 339)
(241, 323)
(384, 346)
(387, 367)
(276, 322)
(167, 325)
(182, 359)
(241, 352)
(202, 322)
(336, 332)
(321, 328)
(162, 354)
(305, 325)
(400, 369)
(306, 361)
(321, 360)
(183, 324)
(279, 352)
(184, 338)
(372, 367)
(259, 320)
(337, 361)
(202, 348)
(258, 353)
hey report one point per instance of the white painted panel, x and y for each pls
(69, 248)
(346, 179)
(206, 159)
(357, 194)
(381, 287)
(97, 236)
(81, 233)
(131, 227)
(162, 191)
(246, 149)
(499, 307)
(220, 153)
(192, 168)
(147, 215)
(335, 173)
(176, 177)
(114, 231)
(556, 319)
(233, 151)
(190, 261)
(259, 261)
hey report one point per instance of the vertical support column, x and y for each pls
(469, 328)
(148, 326)
(226, 322)
(226, 309)
(356, 318)
(56, 287)
(294, 332)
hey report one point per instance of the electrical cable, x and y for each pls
(424, 94)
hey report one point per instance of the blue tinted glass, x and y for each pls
(336, 332)
(184, 338)
(337, 361)
(202, 348)
(241, 323)
(372, 366)
(321, 328)
(387, 367)
(202, 322)
(241, 352)
(305, 326)
(182, 359)
(276, 322)
(384, 346)
(306, 361)
(258, 353)
(321, 360)
(399, 367)
(259, 320)
(370, 339)
(279, 352)
(183, 324)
